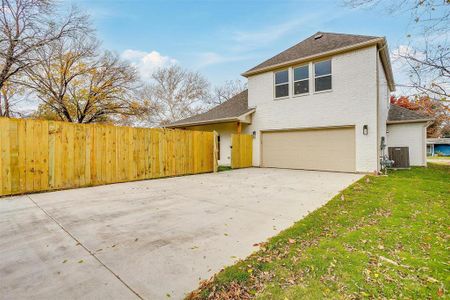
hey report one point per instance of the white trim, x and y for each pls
(322, 76)
(275, 84)
(295, 81)
(409, 121)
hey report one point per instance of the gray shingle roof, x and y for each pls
(312, 46)
(401, 114)
(233, 108)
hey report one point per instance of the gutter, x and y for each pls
(430, 121)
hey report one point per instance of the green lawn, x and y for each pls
(223, 168)
(383, 237)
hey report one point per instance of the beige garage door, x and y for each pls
(312, 149)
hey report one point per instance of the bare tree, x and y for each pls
(10, 96)
(27, 26)
(427, 57)
(428, 69)
(226, 91)
(430, 16)
(175, 93)
(76, 84)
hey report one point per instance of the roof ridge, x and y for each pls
(350, 34)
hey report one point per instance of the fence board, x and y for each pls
(241, 151)
(38, 155)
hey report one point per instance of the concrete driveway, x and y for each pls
(151, 239)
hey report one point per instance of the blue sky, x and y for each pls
(222, 39)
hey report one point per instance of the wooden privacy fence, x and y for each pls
(241, 150)
(38, 155)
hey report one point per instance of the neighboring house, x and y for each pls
(322, 104)
(438, 147)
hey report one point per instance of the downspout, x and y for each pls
(378, 110)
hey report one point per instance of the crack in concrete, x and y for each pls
(86, 248)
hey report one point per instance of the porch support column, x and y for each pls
(239, 127)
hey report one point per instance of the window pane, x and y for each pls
(323, 83)
(281, 77)
(301, 87)
(301, 73)
(322, 68)
(282, 90)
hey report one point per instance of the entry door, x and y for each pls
(331, 149)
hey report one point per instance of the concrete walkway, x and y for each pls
(150, 239)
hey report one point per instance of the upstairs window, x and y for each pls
(301, 80)
(281, 84)
(322, 76)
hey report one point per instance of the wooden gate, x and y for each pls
(241, 150)
(400, 156)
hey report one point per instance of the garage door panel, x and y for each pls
(317, 149)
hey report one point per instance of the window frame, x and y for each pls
(308, 66)
(275, 84)
(321, 76)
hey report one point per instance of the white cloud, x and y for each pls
(267, 34)
(405, 50)
(213, 58)
(147, 62)
(245, 40)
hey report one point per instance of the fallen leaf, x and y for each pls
(388, 260)
(291, 241)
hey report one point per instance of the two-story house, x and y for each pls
(322, 104)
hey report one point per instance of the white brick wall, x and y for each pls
(351, 102)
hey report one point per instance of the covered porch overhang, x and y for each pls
(239, 121)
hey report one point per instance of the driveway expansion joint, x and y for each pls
(85, 248)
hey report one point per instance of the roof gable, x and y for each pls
(319, 42)
(322, 44)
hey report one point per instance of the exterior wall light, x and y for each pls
(365, 130)
(254, 134)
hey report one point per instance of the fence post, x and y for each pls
(215, 152)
